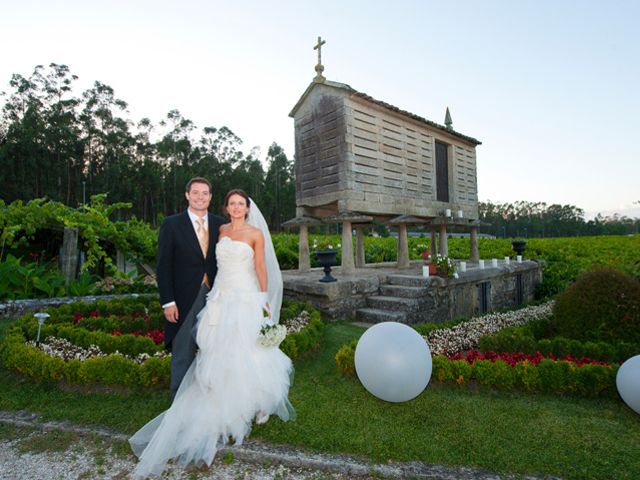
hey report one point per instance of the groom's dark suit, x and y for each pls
(181, 269)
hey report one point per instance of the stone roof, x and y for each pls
(388, 106)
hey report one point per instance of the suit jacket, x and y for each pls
(181, 265)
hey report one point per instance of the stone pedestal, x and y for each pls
(403, 247)
(69, 253)
(303, 222)
(474, 254)
(348, 265)
(444, 246)
(434, 244)
(304, 259)
(360, 259)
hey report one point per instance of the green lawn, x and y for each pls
(574, 438)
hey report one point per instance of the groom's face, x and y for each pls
(198, 197)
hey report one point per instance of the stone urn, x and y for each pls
(519, 246)
(327, 258)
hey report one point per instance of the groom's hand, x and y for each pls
(171, 314)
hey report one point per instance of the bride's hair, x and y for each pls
(235, 191)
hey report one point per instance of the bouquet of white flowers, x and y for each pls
(271, 335)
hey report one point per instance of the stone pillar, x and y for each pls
(403, 246)
(360, 261)
(121, 263)
(434, 244)
(69, 253)
(474, 254)
(304, 260)
(444, 246)
(348, 266)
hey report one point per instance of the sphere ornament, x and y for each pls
(393, 362)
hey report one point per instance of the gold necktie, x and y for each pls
(203, 236)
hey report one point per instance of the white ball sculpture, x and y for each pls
(393, 362)
(628, 382)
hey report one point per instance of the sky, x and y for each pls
(550, 87)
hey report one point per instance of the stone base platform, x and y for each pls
(382, 292)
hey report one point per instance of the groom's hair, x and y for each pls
(197, 180)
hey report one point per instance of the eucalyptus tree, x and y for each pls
(175, 152)
(39, 147)
(109, 144)
(280, 188)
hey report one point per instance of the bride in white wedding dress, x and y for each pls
(232, 380)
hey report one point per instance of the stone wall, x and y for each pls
(17, 308)
(336, 300)
(438, 301)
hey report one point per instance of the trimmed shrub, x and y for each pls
(114, 368)
(442, 369)
(548, 376)
(522, 339)
(461, 371)
(345, 358)
(497, 374)
(602, 305)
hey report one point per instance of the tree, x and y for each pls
(280, 188)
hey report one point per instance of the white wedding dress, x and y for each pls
(231, 380)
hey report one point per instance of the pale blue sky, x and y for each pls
(549, 87)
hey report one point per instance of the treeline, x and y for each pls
(65, 146)
(537, 219)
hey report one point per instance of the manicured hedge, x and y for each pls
(530, 339)
(115, 368)
(548, 376)
(298, 343)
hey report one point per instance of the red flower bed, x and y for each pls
(517, 357)
(156, 335)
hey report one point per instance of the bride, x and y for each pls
(232, 380)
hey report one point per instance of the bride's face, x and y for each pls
(237, 207)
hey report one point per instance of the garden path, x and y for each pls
(33, 449)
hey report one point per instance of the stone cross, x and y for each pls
(319, 68)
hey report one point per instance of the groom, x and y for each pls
(186, 270)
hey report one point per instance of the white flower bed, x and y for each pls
(64, 349)
(465, 335)
(296, 324)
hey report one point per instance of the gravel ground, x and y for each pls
(86, 458)
(32, 449)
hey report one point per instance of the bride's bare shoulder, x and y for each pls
(256, 233)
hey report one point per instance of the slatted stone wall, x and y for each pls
(320, 151)
(353, 154)
(466, 180)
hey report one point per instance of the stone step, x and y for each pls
(392, 303)
(411, 280)
(375, 315)
(402, 291)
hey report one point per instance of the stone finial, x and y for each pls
(447, 120)
(319, 78)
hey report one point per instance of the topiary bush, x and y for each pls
(602, 305)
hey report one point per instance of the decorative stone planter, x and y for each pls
(327, 258)
(519, 246)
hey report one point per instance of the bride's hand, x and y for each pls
(266, 310)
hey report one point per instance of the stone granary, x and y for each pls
(359, 159)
